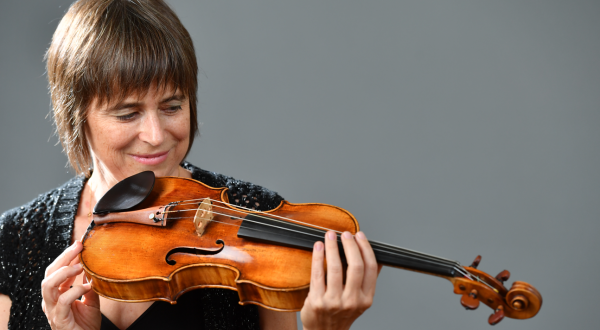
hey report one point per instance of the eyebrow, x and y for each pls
(126, 105)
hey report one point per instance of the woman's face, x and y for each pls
(141, 133)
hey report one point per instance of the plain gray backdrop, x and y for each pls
(452, 127)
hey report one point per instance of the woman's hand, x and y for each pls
(335, 305)
(60, 303)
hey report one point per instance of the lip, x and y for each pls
(151, 159)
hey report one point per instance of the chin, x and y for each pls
(166, 168)
(162, 170)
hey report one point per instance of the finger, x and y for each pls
(334, 265)
(65, 258)
(371, 267)
(51, 284)
(66, 285)
(69, 282)
(63, 305)
(91, 298)
(355, 272)
(317, 272)
(75, 261)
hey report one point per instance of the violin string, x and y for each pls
(257, 213)
(390, 248)
(411, 255)
(300, 224)
(377, 246)
(383, 246)
(250, 211)
(303, 224)
(456, 267)
(387, 247)
(339, 241)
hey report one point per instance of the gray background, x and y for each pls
(455, 128)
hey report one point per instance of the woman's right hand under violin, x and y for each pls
(331, 304)
(60, 303)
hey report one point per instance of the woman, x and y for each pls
(123, 82)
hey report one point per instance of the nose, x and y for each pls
(152, 130)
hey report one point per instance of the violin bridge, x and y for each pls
(203, 216)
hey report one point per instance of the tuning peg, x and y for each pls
(503, 276)
(476, 262)
(497, 316)
(469, 301)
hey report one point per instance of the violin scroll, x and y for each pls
(157, 238)
(522, 301)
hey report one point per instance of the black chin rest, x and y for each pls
(126, 194)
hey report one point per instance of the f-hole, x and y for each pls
(196, 251)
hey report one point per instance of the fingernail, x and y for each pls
(77, 266)
(361, 235)
(331, 235)
(347, 234)
(318, 246)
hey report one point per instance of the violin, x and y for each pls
(157, 238)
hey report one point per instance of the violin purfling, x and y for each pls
(157, 238)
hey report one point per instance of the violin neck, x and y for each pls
(288, 234)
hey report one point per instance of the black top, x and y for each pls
(33, 235)
(187, 314)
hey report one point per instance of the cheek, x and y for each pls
(117, 140)
(181, 128)
(105, 137)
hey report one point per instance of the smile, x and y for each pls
(151, 159)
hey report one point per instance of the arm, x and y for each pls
(5, 304)
(272, 320)
(8, 251)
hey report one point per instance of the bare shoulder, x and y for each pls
(4, 311)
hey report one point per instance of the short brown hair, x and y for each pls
(105, 50)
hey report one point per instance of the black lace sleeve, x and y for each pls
(31, 237)
(241, 193)
(8, 251)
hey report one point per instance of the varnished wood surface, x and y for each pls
(503, 297)
(127, 260)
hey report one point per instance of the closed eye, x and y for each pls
(173, 109)
(127, 117)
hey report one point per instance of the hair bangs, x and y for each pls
(134, 54)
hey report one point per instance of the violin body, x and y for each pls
(127, 261)
(178, 234)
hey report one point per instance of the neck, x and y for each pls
(102, 180)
